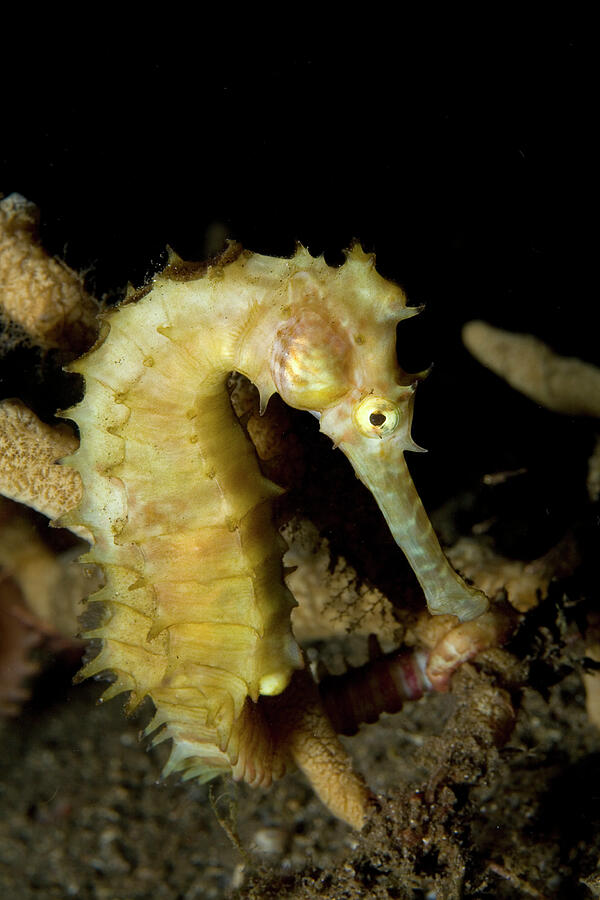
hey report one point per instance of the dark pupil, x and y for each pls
(377, 418)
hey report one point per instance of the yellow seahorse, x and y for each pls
(194, 611)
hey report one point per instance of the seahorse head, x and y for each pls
(335, 354)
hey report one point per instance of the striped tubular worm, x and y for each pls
(194, 611)
(382, 685)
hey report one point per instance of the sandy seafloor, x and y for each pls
(82, 814)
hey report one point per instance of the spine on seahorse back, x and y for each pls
(195, 612)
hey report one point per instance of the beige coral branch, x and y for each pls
(41, 595)
(562, 384)
(52, 587)
(29, 450)
(525, 583)
(40, 294)
(332, 601)
(302, 727)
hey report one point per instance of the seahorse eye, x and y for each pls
(376, 417)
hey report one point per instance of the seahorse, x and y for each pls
(194, 611)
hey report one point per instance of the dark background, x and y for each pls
(461, 156)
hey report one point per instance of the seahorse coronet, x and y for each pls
(197, 613)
